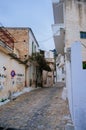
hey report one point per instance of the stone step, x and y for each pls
(60, 84)
(69, 127)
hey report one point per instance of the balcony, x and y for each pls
(58, 34)
(5, 48)
(6, 38)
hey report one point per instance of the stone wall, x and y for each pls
(22, 41)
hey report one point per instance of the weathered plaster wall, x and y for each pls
(60, 68)
(33, 48)
(48, 79)
(8, 83)
(26, 43)
(75, 21)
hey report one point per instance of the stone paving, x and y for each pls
(41, 109)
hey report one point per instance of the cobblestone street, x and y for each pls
(41, 109)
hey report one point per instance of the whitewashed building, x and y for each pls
(69, 28)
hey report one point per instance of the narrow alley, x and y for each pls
(41, 109)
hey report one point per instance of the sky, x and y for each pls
(36, 14)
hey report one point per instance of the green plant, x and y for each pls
(84, 65)
(43, 65)
(2, 100)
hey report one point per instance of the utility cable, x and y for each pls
(49, 37)
(46, 39)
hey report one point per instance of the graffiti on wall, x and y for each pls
(16, 78)
(19, 78)
(2, 78)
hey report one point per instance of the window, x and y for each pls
(83, 35)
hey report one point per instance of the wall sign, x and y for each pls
(12, 73)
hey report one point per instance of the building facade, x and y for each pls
(69, 26)
(12, 70)
(69, 31)
(48, 76)
(17, 45)
(27, 45)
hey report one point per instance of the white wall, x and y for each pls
(32, 67)
(31, 39)
(59, 65)
(49, 54)
(56, 29)
(69, 86)
(9, 83)
(78, 87)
